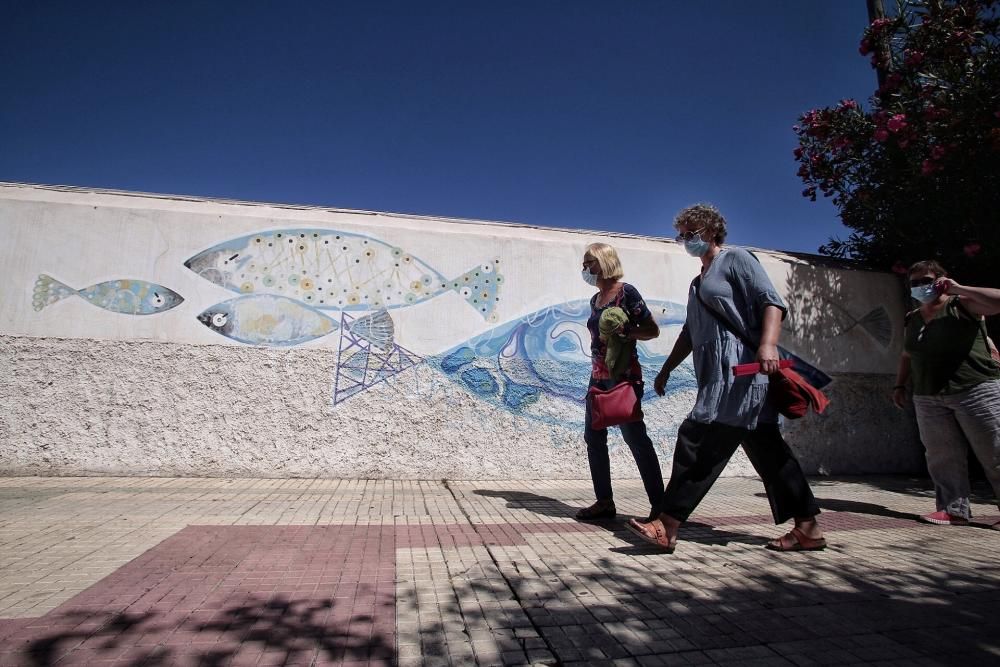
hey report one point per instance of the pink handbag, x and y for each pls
(616, 406)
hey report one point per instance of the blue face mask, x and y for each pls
(696, 247)
(924, 293)
(589, 278)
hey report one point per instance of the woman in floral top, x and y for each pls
(602, 269)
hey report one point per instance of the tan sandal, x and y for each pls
(796, 540)
(657, 537)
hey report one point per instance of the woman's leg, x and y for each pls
(644, 453)
(597, 456)
(945, 446)
(701, 454)
(786, 485)
(978, 413)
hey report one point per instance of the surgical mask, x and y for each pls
(589, 278)
(924, 293)
(696, 246)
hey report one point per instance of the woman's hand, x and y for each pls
(899, 397)
(946, 286)
(660, 383)
(767, 357)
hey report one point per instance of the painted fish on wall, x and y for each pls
(335, 270)
(126, 296)
(277, 321)
(538, 365)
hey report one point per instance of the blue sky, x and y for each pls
(581, 114)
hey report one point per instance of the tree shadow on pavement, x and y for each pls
(746, 607)
(286, 631)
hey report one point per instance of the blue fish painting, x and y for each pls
(336, 270)
(276, 321)
(125, 296)
(538, 366)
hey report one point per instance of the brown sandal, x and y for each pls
(658, 536)
(796, 540)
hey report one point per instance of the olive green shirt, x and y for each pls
(948, 355)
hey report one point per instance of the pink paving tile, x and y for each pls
(254, 594)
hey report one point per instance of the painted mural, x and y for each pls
(125, 296)
(339, 270)
(535, 366)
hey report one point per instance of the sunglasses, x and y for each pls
(687, 236)
(920, 282)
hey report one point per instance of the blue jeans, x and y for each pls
(637, 440)
(947, 423)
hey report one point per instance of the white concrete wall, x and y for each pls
(92, 386)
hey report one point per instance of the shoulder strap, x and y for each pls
(979, 320)
(722, 320)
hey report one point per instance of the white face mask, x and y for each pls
(589, 278)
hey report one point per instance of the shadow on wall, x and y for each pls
(862, 431)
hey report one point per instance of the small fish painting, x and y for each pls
(336, 270)
(277, 321)
(125, 296)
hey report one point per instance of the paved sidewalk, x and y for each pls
(147, 571)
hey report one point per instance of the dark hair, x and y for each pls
(928, 266)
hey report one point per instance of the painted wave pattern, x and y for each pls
(126, 296)
(337, 270)
(538, 366)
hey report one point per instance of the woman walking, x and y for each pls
(602, 269)
(955, 380)
(732, 291)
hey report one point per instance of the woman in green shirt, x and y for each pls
(955, 384)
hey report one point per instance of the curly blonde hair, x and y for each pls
(704, 217)
(607, 259)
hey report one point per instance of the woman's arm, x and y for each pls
(902, 377)
(682, 348)
(767, 351)
(648, 329)
(978, 300)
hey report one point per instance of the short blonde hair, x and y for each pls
(607, 259)
(704, 217)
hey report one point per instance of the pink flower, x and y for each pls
(972, 249)
(899, 268)
(866, 47)
(881, 134)
(848, 104)
(879, 24)
(896, 123)
(938, 152)
(912, 58)
(797, 153)
(928, 167)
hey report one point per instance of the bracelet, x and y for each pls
(899, 386)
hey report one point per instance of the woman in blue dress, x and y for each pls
(729, 411)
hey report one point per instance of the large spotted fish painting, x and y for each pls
(336, 270)
(125, 296)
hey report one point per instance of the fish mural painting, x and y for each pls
(125, 296)
(337, 270)
(537, 366)
(277, 321)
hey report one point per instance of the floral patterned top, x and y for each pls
(631, 302)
